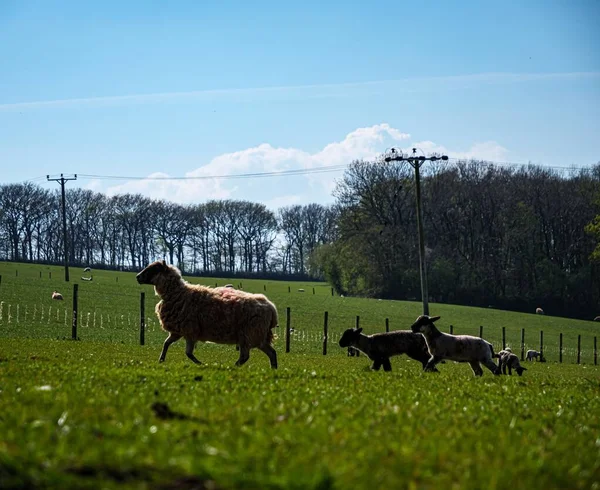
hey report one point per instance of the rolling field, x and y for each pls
(102, 413)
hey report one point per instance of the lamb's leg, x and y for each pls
(509, 370)
(173, 337)
(503, 368)
(387, 365)
(476, 367)
(269, 351)
(376, 364)
(189, 351)
(244, 355)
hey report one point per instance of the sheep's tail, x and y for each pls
(493, 354)
(274, 324)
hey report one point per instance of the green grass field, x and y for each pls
(102, 413)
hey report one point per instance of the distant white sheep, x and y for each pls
(56, 295)
(87, 278)
(87, 269)
(460, 348)
(539, 311)
(533, 354)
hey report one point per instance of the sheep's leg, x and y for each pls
(269, 351)
(430, 366)
(476, 367)
(189, 351)
(503, 368)
(509, 370)
(387, 365)
(173, 337)
(244, 355)
(376, 364)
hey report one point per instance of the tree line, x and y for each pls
(497, 236)
(128, 231)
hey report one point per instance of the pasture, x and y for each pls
(102, 413)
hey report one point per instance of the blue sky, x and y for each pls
(188, 89)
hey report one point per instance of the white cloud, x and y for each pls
(363, 143)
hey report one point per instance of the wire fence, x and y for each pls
(128, 318)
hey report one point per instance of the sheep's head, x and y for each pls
(520, 370)
(350, 337)
(423, 323)
(150, 273)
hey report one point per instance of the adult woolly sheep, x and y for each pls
(510, 361)
(460, 348)
(219, 315)
(380, 347)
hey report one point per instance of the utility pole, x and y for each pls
(415, 162)
(62, 181)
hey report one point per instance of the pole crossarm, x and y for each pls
(62, 181)
(416, 161)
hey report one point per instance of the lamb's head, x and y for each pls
(151, 273)
(350, 337)
(424, 324)
(520, 370)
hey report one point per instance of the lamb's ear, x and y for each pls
(359, 330)
(164, 263)
(434, 318)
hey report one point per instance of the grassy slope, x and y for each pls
(79, 414)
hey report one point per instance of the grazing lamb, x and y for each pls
(220, 315)
(531, 354)
(57, 295)
(539, 311)
(460, 348)
(91, 278)
(87, 269)
(510, 361)
(597, 319)
(381, 346)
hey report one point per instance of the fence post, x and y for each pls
(265, 287)
(522, 344)
(595, 353)
(451, 330)
(74, 320)
(480, 331)
(40, 274)
(325, 326)
(313, 290)
(560, 348)
(387, 324)
(142, 324)
(49, 274)
(0, 278)
(541, 345)
(16, 272)
(579, 349)
(287, 330)
(503, 338)
(289, 289)
(331, 291)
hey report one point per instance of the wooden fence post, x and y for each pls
(49, 274)
(480, 331)
(331, 291)
(579, 349)
(265, 287)
(74, 320)
(541, 345)
(142, 323)
(289, 289)
(287, 330)
(313, 290)
(503, 338)
(325, 326)
(387, 324)
(40, 274)
(560, 349)
(0, 278)
(595, 353)
(451, 330)
(522, 344)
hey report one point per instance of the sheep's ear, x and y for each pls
(164, 263)
(358, 330)
(434, 318)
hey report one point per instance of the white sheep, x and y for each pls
(460, 348)
(56, 295)
(220, 315)
(533, 354)
(539, 311)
